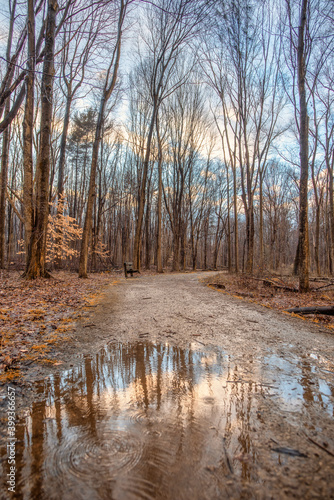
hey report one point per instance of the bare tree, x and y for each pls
(241, 66)
(303, 242)
(172, 24)
(28, 125)
(306, 52)
(109, 86)
(6, 135)
(37, 248)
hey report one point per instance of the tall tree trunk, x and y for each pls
(183, 246)
(229, 250)
(147, 231)
(303, 142)
(159, 229)
(250, 237)
(142, 193)
(107, 91)
(37, 247)
(176, 247)
(86, 234)
(28, 126)
(330, 167)
(236, 232)
(261, 246)
(10, 233)
(3, 192)
(5, 140)
(61, 165)
(61, 168)
(217, 241)
(206, 230)
(317, 240)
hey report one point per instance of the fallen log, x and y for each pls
(218, 285)
(312, 310)
(278, 286)
(322, 287)
(321, 278)
(274, 284)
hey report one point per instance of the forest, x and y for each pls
(177, 134)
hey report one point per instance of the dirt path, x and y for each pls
(254, 416)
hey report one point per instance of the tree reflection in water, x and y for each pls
(142, 420)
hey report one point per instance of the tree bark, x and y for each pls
(37, 248)
(61, 167)
(91, 193)
(303, 142)
(330, 168)
(3, 191)
(5, 139)
(159, 229)
(313, 310)
(229, 250)
(235, 211)
(28, 125)
(261, 246)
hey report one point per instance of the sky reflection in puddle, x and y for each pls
(146, 420)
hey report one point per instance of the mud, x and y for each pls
(173, 390)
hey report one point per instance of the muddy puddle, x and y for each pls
(153, 421)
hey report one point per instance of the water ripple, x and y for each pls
(115, 451)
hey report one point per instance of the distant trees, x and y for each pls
(108, 88)
(171, 26)
(241, 66)
(185, 178)
(210, 145)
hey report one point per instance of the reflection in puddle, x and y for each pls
(149, 421)
(299, 384)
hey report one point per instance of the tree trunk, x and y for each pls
(142, 193)
(61, 167)
(91, 193)
(303, 142)
(183, 247)
(3, 192)
(313, 310)
(317, 240)
(176, 248)
(147, 232)
(330, 167)
(28, 126)
(37, 247)
(5, 141)
(235, 209)
(229, 251)
(261, 247)
(159, 230)
(250, 237)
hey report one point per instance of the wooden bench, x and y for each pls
(128, 268)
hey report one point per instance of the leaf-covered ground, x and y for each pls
(36, 315)
(264, 292)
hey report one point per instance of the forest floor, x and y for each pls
(279, 293)
(277, 435)
(36, 316)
